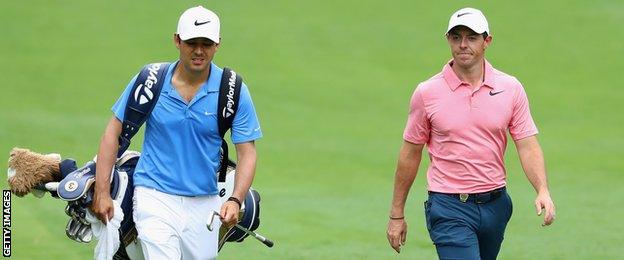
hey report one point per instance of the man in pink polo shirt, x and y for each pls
(463, 114)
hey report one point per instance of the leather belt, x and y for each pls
(478, 198)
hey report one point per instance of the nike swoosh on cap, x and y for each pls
(198, 23)
(462, 14)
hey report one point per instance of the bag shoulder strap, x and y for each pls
(141, 101)
(229, 95)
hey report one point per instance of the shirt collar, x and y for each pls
(211, 85)
(454, 82)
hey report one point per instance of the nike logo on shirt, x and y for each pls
(495, 93)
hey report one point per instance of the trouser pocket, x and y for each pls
(510, 205)
(427, 207)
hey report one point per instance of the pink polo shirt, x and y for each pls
(465, 129)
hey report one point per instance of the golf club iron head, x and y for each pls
(78, 231)
(84, 234)
(72, 229)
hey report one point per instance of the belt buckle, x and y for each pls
(463, 197)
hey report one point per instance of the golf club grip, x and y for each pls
(268, 242)
(264, 240)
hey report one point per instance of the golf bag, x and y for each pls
(77, 187)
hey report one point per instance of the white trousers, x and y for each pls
(174, 227)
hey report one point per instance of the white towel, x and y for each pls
(107, 235)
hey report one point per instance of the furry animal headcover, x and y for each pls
(27, 169)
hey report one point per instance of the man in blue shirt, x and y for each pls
(176, 177)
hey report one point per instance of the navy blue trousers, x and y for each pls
(467, 230)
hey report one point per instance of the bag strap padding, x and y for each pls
(229, 95)
(141, 101)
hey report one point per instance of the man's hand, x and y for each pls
(407, 167)
(229, 213)
(397, 233)
(102, 207)
(544, 204)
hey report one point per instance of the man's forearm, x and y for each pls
(532, 160)
(245, 169)
(407, 169)
(107, 155)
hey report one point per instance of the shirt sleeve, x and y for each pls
(245, 127)
(521, 124)
(119, 108)
(417, 128)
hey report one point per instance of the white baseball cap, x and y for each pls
(471, 18)
(199, 22)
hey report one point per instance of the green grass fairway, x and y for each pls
(331, 81)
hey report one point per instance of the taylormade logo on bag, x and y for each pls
(82, 172)
(228, 109)
(147, 86)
